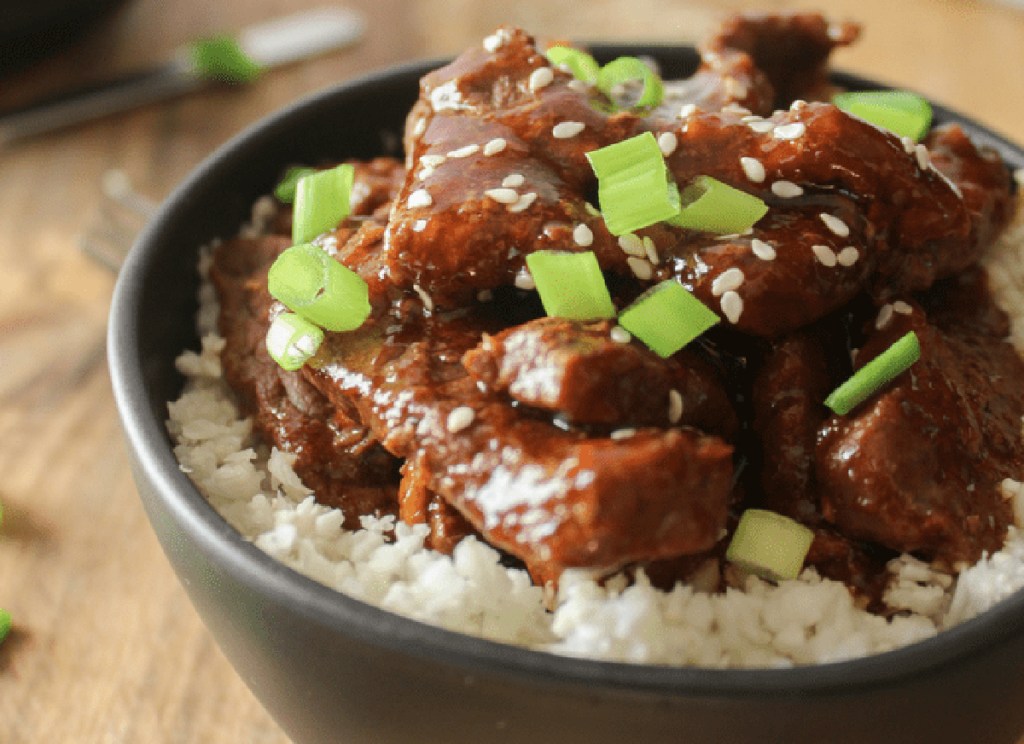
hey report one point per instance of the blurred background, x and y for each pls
(105, 646)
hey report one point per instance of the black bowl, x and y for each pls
(331, 668)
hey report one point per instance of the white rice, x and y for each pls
(804, 621)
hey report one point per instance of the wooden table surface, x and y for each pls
(105, 646)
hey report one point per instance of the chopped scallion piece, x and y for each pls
(870, 378)
(580, 64)
(667, 317)
(321, 290)
(628, 69)
(711, 206)
(321, 202)
(903, 113)
(285, 190)
(5, 624)
(633, 184)
(221, 58)
(292, 340)
(769, 545)
(571, 285)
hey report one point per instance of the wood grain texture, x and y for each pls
(105, 646)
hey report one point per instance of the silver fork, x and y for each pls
(121, 216)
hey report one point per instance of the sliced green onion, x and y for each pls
(626, 70)
(571, 285)
(5, 624)
(321, 290)
(903, 113)
(321, 202)
(221, 58)
(711, 206)
(292, 340)
(667, 317)
(580, 64)
(769, 545)
(285, 190)
(870, 378)
(633, 184)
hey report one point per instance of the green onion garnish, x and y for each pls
(321, 202)
(628, 69)
(221, 58)
(903, 113)
(769, 544)
(571, 285)
(285, 190)
(667, 317)
(633, 184)
(5, 624)
(870, 378)
(580, 64)
(292, 340)
(321, 290)
(709, 205)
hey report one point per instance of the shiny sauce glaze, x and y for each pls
(566, 444)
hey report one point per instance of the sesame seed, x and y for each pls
(797, 105)
(735, 108)
(732, 306)
(428, 302)
(764, 251)
(464, 152)
(541, 78)
(432, 161)
(583, 235)
(524, 280)
(651, 250)
(848, 256)
(753, 168)
(687, 110)
(825, 255)
(576, 84)
(631, 245)
(419, 226)
(908, 144)
(513, 181)
(667, 142)
(790, 131)
(728, 280)
(923, 158)
(591, 209)
(460, 418)
(503, 195)
(902, 307)
(1018, 176)
(675, 406)
(761, 126)
(419, 127)
(567, 129)
(523, 202)
(641, 269)
(735, 88)
(786, 189)
(836, 225)
(884, 317)
(425, 173)
(495, 146)
(620, 434)
(496, 41)
(419, 198)
(620, 335)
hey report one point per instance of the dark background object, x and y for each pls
(31, 29)
(330, 668)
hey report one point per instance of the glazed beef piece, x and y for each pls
(334, 454)
(497, 168)
(917, 468)
(578, 372)
(551, 497)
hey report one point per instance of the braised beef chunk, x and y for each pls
(917, 468)
(577, 371)
(567, 443)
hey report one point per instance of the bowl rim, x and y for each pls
(148, 440)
